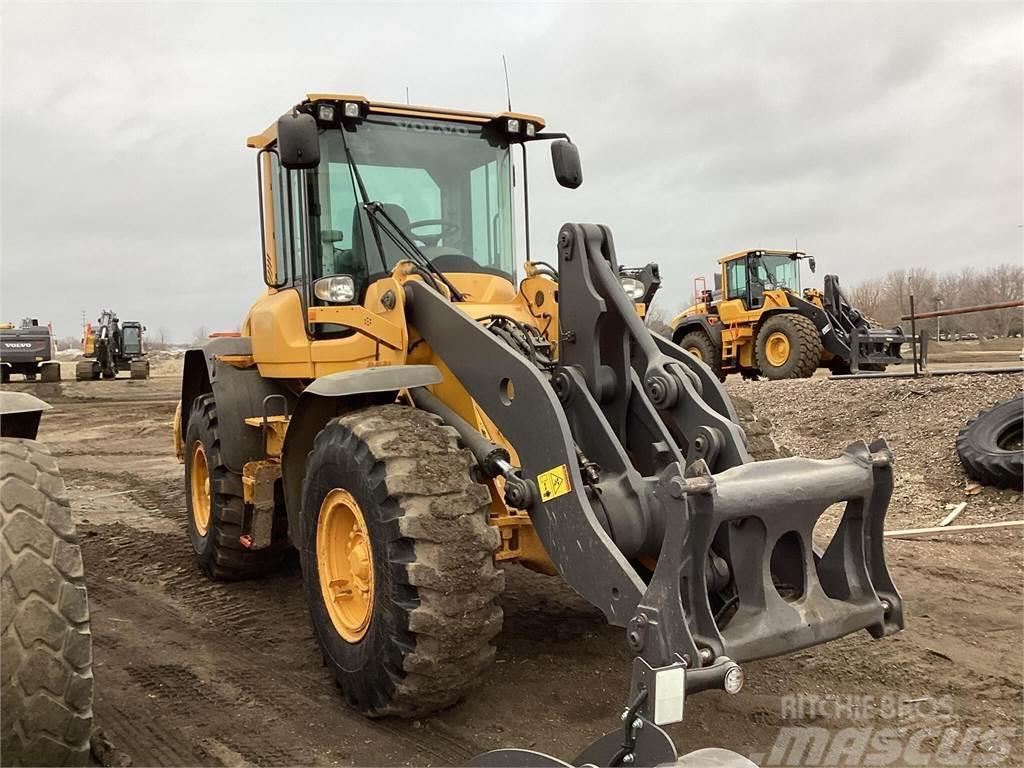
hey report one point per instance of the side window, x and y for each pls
(484, 199)
(282, 247)
(736, 276)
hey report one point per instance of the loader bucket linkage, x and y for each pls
(738, 576)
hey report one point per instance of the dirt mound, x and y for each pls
(920, 420)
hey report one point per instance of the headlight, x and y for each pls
(633, 288)
(338, 289)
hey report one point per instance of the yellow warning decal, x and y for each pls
(554, 483)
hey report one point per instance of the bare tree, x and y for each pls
(887, 297)
(659, 320)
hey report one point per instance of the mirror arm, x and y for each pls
(546, 137)
(526, 206)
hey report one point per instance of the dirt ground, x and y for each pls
(189, 672)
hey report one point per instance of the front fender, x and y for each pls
(331, 396)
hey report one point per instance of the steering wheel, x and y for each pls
(448, 228)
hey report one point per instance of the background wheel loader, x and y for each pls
(758, 321)
(112, 345)
(408, 416)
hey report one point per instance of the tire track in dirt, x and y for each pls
(160, 742)
(266, 657)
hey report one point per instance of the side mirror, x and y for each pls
(298, 143)
(565, 158)
(811, 263)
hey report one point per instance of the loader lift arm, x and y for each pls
(675, 482)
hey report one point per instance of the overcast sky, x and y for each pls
(879, 134)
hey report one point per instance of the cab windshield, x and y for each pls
(445, 185)
(130, 338)
(776, 271)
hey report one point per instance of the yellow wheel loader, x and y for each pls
(409, 414)
(757, 321)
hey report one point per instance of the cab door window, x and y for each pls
(280, 236)
(736, 278)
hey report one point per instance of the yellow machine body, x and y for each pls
(739, 323)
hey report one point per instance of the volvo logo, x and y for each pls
(445, 128)
(17, 345)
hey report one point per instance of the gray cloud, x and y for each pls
(878, 134)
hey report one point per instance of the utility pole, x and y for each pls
(938, 320)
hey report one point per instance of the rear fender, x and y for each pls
(698, 322)
(331, 396)
(238, 391)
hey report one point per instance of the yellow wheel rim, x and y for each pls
(776, 348)
(199, 476)
(695, 351)
(345, 562)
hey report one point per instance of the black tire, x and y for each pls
(5, 374)
(804, 347)
(434, 607)
(218, 551)
(46, 681)
(989, 445)
(699, 344)
(50, 372)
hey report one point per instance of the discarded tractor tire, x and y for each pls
(700, 345)
(398, 561)
(215, 504)
(46, 681)
(990, 447)
(788, 347)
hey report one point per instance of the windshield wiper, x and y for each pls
(397, 235)
(406, 244)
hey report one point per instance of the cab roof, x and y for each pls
(763, 252)
(269, 135)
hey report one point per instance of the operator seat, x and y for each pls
(364, 248)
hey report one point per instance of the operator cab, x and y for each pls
(354, 187)
(748, 274)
